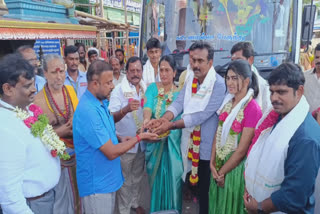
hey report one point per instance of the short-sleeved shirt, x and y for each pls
(80, 86)
(39, 83)
(93, 126)
(252, 114)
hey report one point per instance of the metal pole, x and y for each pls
(127, 28)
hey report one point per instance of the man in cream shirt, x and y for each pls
(28, 170)
(151, 68)
(128, 98)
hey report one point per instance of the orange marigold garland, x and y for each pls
(194, 144)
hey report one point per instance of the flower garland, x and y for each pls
(234, 133)
(267, 123)
(161, 97)
(194, 144)
(40, 127)
(134, 114)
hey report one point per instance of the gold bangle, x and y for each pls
(121, 112)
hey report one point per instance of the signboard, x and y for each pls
(132, 5)
(48, 46)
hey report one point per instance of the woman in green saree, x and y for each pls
(163, 158)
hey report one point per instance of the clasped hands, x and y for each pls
(158, 126)
(218, 177)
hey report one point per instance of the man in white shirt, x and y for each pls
(129, 95)
(117, 74)
(28, 170)
(151, 68)
(312, 86)
(244, 50)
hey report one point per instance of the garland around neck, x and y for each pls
(234, 134)
(40, 128)
(161, 97)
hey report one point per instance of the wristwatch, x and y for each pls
(260, 210)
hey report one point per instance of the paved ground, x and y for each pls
(188, 207)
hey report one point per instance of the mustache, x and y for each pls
(318, 63)
(135, 77)
(196, 69)
(276, 103)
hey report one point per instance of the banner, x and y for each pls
(48, 46)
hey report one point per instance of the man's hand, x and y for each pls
(132, 105)
(250, 203)
(65, 130)
(148, 136)
(152, 124)
(123, 139)
(164, 126)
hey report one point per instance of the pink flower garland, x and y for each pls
(32, 119)
(37, 111)
(268, 122)
(236, 125)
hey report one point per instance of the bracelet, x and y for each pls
(138, 138)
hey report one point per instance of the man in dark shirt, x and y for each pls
(283, 164)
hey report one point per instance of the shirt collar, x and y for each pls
(95, 100)
(81, 74)
(7, 105)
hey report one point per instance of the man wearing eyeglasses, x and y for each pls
(29, 54)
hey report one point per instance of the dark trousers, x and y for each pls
(204, 183)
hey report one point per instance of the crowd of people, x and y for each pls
(80, 141)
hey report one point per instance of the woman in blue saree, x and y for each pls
(163, 158)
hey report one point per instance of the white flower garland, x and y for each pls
(161, 98)
(223, 151)
(48, 137)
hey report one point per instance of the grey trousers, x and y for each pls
(63, 194)
(43, 204)
(99, 203)
(132, 165)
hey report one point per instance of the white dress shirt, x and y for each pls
(118, 81)
(126, 126)
(27, 168)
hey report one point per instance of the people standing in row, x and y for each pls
(128, 98)
(29, 54)
(151, 68)
(163, 158)
(117, 74)
(97, 149)
(244, 50)
(74, 77)
(279, 176)
(59, 102)
(29, 171)
(238, 117)
(199, 101)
